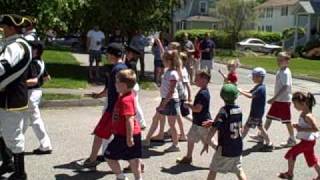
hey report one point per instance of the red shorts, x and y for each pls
(305, 147)
(280, 111)
(103, 128)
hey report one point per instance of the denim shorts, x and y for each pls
(172, 108)
(94, 56)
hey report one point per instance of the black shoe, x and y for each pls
(19, 173)
(6, 168)
(7, 162)
(40, 152)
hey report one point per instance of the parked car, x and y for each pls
(257, 45)
(71, 41)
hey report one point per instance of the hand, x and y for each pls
(205, 148)
(160, 108)
(130, 142)
(271, 100)
(240, 90)
(95, 95)
(207, 123)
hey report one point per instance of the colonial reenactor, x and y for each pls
(30, 33)
(14, 61)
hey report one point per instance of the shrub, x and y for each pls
(223, 39)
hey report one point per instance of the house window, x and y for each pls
(261, 13)
(269, 28)
(262, 28)
(203, 7)
(269, 12)
(284, 11)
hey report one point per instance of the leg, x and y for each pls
(245, 131)
(142, 64)
(114, 166)
(291, 163)
(190, 149)
(91, 59)
(181, 128)
(267, 124)
(37, 122)
(212, 175)
(135, 165)
(140, 115)
(7, 162)
(174, 134)
(264, 134)
(153, 127)
(162, 120)
(290, 130)
(317, 168)
(98, 68)
(97, 141)
(12, 128)
(241, 175)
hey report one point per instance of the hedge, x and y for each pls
(223, 39)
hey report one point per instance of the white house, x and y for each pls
(195, 14)
(278, 15)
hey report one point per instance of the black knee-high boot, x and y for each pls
(7, 162)
(19, 173)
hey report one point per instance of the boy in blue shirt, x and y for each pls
(228, 123)
(200, 113)
(258, 96)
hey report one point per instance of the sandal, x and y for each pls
(285, 175)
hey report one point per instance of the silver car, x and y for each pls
(257, 45)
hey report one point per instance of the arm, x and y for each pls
(195, 108)
(189, 91)
(282, 90)
(311, 120)
(246, 94)
(12, 54)
(129, 128)
(223, 75)
(211, 133)
(32, 82)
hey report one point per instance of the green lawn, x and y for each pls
(65, 71)
(299, 67)
(49, 97)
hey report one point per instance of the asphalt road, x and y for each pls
(70, 131)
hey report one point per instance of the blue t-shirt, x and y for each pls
(111, 86)
(203, 98)
(204, 45)
(258, 103)
(228, 123)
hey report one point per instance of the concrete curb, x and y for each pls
(271, 72)
(72, 103)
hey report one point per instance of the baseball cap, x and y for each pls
(259, 71)
(115, 49)
(14, 20)
(229, 93)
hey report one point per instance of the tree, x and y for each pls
(237, 14)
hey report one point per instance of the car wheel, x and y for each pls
(247, 49)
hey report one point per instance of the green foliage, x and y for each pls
(224, 40)
(70, 16)
(237, 15)
(289, 32)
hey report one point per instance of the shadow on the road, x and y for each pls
(256, 148)
(148, 153)
(182, 168)
(82, 176)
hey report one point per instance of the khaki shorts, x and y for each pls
(224, 164)
(197, 133)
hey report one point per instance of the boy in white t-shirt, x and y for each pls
(95, 41)
(281, 101)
